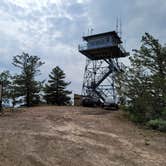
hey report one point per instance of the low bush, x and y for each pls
(124, 108)
(136, 114)
(157, 124)
(164, 114)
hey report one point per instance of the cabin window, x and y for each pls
(102, 41)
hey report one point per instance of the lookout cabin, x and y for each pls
(102, 46)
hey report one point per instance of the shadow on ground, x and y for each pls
(98, 112)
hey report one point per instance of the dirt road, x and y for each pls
(73, 136)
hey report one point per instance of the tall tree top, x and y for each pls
(27, 62)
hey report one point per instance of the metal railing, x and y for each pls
(85, 46)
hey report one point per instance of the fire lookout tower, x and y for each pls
(102, 51)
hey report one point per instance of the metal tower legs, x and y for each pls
(99, 79)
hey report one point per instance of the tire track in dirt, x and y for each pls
(78, 134)
(72, 138)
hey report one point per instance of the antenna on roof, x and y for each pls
(88, 32)
(117, 25)
(91, 31)
(120, 28)
(125, 44)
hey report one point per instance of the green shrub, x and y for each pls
(136, 115)
(157, 124)
(136, 118)
(124, 108)
(163, 115)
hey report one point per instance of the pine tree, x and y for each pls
(145, 80)
(13, 92)
(5, 79)
(26, 85)
(55, 89)
(120, 85)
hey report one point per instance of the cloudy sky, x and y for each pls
(52, 29)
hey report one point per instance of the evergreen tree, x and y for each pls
(26, 85)
(9, 88)
(55, 89)
(5, 79)
(145, 81)
(13, 92)
(120, 85)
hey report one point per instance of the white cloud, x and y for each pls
(52, 29)
(49, 29)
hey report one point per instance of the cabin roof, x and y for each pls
(112, 33)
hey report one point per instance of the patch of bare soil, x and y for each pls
(76, 136)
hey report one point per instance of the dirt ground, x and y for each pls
(75, 136)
